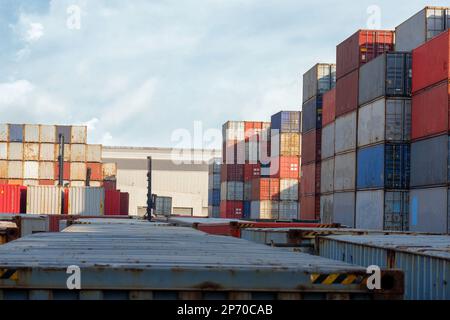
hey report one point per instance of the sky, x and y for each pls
(154, 73)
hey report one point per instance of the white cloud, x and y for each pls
(35, 32)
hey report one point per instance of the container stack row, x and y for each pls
(214, 188)
(319, 80)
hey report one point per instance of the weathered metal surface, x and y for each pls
(86, 201)
(44, 200)
(423, 258)
(136, 256)
(78, 135)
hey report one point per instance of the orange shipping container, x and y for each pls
(329, 107)
(47, 182)
(3, 169)
(66, 171)
(285, 167)
(310, 208)
(96, 171)
(266, 189)
(310, 182)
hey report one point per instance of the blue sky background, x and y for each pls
(138, 70)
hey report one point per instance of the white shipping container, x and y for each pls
(288, 210)
(3, 151)
(4, 130)
(345, 172)
(327, 176)
(326, 209)
(44, 200)
(31, 170)
(15, 151)
(31, 151)
(47, 152)
(345, 133)
(328, 141)
(97, 184)
(265, 210)
(289, 189)
(86, 201)
(31, 133)
(78, 153)
(79, 184)
(15, 169)
(48, 134)
(30, 182)
(67, 152)
(109, 171)
(233, 130)
(79, 134)
(78, 171)
(46, 170)
(3, 169)
(94, 153)
(251, 152)
(370, 210)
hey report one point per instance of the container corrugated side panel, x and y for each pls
(328, 141)
(428, 210)
(94, 153)
(326, 208)
(288, 210)
(370, 171)
(289, 189)
(44, 200)
(327, 176)
(48, 134)
(86, 201)
(15, 151)
(3, 151)
(31, 133)
(3, 169)
(4, 132)
(345, 172)
(47, 152)
(371, 123)
(370, 209)
(10, 197)
(79, 134)
(31, 170)
(344, 208)
(345, 133)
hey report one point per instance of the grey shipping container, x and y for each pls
(328, 141)
(345, 172)
(326, 208)
(232, 191)
(288, 210)
(369, 209)
(428, 210)
(214, 212)
(389, 75)
(423, 26)
(163, 206)
(327, 176)
(318, 80)
(312, 114)
(345, 133)
(16, 132)
(384, 120)
(429, 162)
(344, 209)
(65, 131)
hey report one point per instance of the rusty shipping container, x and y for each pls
(31, 151)
(78, 135)
(329, 107)
(47, 134)
(311, 146)
(347, 89)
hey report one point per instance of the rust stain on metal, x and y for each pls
(208, 286)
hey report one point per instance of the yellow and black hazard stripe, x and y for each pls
(8, 274)
(337, 278)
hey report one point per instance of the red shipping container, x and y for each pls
(112, 203)
(329, 107)
(124, 203)
(233, 152)
(110, 185)
(252, 171)
(310, 182)
(347, 91)
(362, 47)
(232, 172)
(47, 182)
(10, 198)
(3, 181)
(96, 171)
(430, 111)
(266, 189)
(310, 208)
(311, 146)
(285, 167)
(231, 209)
(431, 62)
(252, 129)
(66, 171)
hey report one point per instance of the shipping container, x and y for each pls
(109, 184)
(423, 26)
(231, 209)
(327, 150)
(67, 151)
(329, 107)
(4, 170)
(46, 170)
(326, 208)
(311, 146)
(247, 209)
(252, 171)
(109, 171)
(3, 151)
(265, 210)
(47, 152)
(31, 133)
(310, 181)
(396, 211)
(78, 153)
(16, 133)
(289, 144)
(31, 151)
(112, 202)
(312, 114)
(426, 123)
(360, 48)
(44, 200)
(384, 166)
(288, 210)
(347, 93)
(327, 176)
(234, 152)
(248, 190)
(345, 172)
(86, 201)
(251, 152)
(96, 171)
(15, 151)
(428, 210)
(265, 171)
(232, 172)
(94, 153)
(77, 171)
(370, 209)
(232, 191)
(287, 122)
(214, 181)
(64, 131)
(214, 197)
(215, 166)
(266, 189)
(233, 131)
(66, 171)
(15, 169)
(214, 212)
(388, 75)
(4, 132)
(429, 162)
(344, 208)
(318, 80)
(79, 134)
(163, 205)
(285, 167)
(310, 207)
(10, 198)
(47, 134)
(345, 133)
(289, 189)
(384, 120)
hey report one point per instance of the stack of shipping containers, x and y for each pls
(317, 81)
(285, 151)
(214, 188)
(430, 172)
(360, 48)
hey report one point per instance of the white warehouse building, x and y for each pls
(181, 174)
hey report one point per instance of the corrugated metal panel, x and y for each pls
(78, 171)
(31, 133)
(16, 132)
(328, 141)
(424, 259)
(31, 152)
(312, 114)
(289, 189)
(3, 150)
(370, 209)
(65, 131)
(47, 152)
(396, 210)
(15, 151)
(78, 153)
(428, 210)
(344, 208)
(286, 122)
(247, 191)
(347, 93)
(67, 151)
(86, 201)
(47, 170)
(15, 169)
(79, 134)
(4, 170)
(265, 210)
(44, 200)
(327, 176)
(318, 80)
(288, 210)
(31, 170)
(48, 134)
(4, 132)
(345, 136)
(109, 170)
(345, 172)
(288, 144)
(10, 197)
(232, 190)
(163, 206)
(233, 130)
(94, 153)
(326, 208)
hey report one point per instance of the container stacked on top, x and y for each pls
(430, 174)
(214, 188)
(317, 81)
(284, 181)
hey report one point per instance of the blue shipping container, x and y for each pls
(214, 197)
(65, 131)
(16, 132)
(312, 114)
(384, 166)
(286, 121)
(247, 206)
